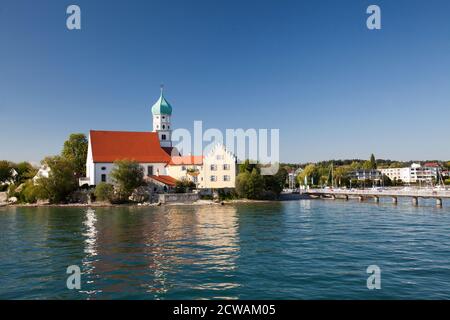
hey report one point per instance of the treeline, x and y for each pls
(62, 179)
(250, 184)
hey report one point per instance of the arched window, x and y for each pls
(164, 126)
(163, 137)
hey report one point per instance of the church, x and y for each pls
(162, 164)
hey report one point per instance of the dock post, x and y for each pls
(346, 197)
(394, 200)
(439, 202)
(333, 196)
(376, 199)
(361, 198)
(415, 201)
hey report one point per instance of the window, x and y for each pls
(213, 178)
(213, 167)
(103, 168)
(163, 137)
(163, 117)
(183, 168)
(226, 178)
(157, 126)
(164, 126)
(149, 170)
(103, 177)
(226, 167)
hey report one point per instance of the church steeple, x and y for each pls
(162, 106)
(162, 112)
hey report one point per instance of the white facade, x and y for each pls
(216, 171)
(403, 174)
(414, 174)
(162, 125)
(101, 171)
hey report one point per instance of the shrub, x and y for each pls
(29, 193)
(104, 192)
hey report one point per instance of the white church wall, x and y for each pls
(106, 168)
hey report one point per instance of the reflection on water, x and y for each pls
(299, 249)
(147, 249)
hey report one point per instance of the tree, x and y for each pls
(75, 150)
(25, 171)
(5, 171)
(255, 185)
(275, 183)
(373, 162)
(242, 184)
(310, 172)
(246, 166)
(61, 181)
(127, 175)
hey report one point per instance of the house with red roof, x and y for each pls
(162, 163)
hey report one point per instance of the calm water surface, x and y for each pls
(309, 249)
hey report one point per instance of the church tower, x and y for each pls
(162, 112)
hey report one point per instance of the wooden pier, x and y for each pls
(376, 194)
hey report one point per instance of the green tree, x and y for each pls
(61, 181)
(24, 171)
(242, 184)
(311, 171)
(5, 171)
(75, 150)
(255, 185)
(127, 175)
(275, 183)
(246, 166)
(373, 162)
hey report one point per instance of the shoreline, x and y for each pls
(139, 205)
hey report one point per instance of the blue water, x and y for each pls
(308, 249)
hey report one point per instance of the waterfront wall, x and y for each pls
(178, 197)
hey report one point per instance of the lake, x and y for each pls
(307, 249)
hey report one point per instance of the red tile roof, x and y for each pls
(431, 164)
(186, 160)
(109, 146)
(167, 180)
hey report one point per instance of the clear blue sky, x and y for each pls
(310, 68)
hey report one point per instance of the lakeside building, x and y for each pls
(417, 173)
(362, 175)
(162, 163)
